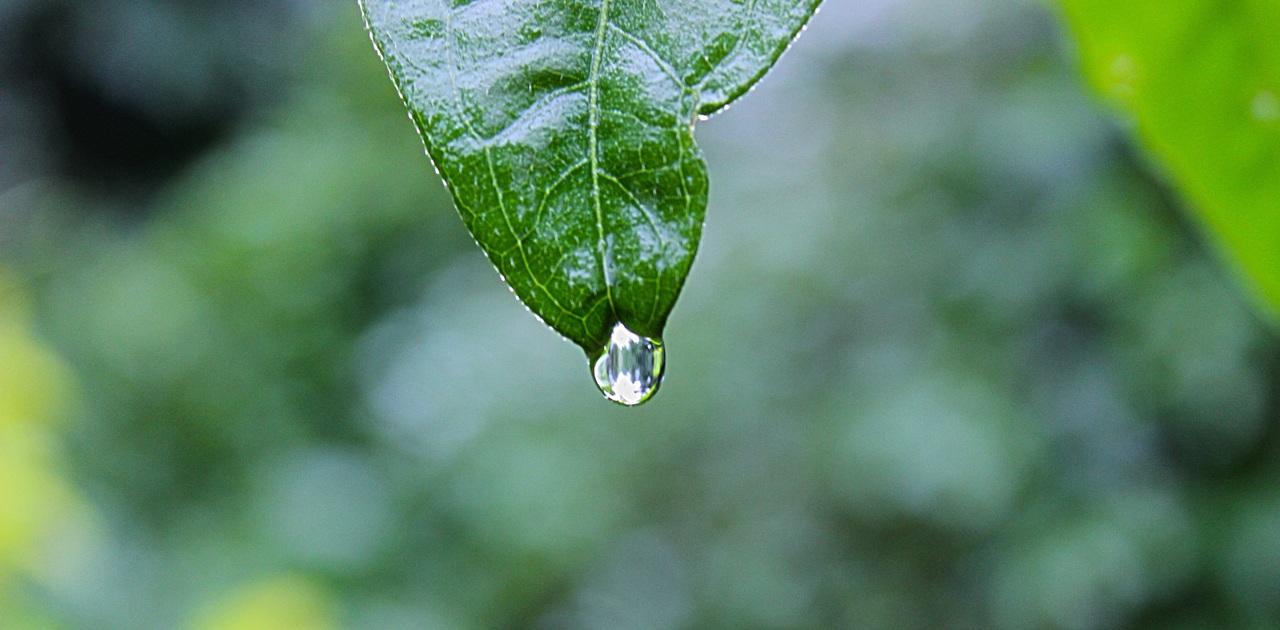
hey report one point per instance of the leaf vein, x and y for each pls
(653, 54)
(593, 137)
(546, 193)
(451, 62)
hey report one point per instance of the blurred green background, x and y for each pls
(951, 355)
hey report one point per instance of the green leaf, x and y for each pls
(564, 130)
(1201, 79)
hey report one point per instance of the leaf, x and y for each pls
(1201, 78)
(564, 130)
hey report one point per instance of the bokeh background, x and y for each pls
(951, 355)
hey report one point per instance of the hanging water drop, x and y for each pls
(629, 369)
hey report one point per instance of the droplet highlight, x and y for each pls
(629, 369)
(1266, 107)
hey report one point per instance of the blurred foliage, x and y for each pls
(1202, 82)
(273, 604)
(949, 357)
(35, 498)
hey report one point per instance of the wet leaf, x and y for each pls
(564, 130)
(1201, 79)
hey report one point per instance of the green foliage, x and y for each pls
(38, 500)
(565, 132)
(1008, 390)
(1202, 80)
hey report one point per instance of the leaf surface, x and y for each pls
(564, 130)
(1201, 79)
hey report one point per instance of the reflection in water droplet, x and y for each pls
(1266, 107)
(629, 369)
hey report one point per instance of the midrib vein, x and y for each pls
(593, 123)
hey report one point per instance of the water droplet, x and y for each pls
(1124, 75)
(1266, 107)
(426, 29)
(629, 368)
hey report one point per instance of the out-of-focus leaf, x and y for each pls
(564, 129)
(1201, 78)
(280, 602)
(34, 392)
